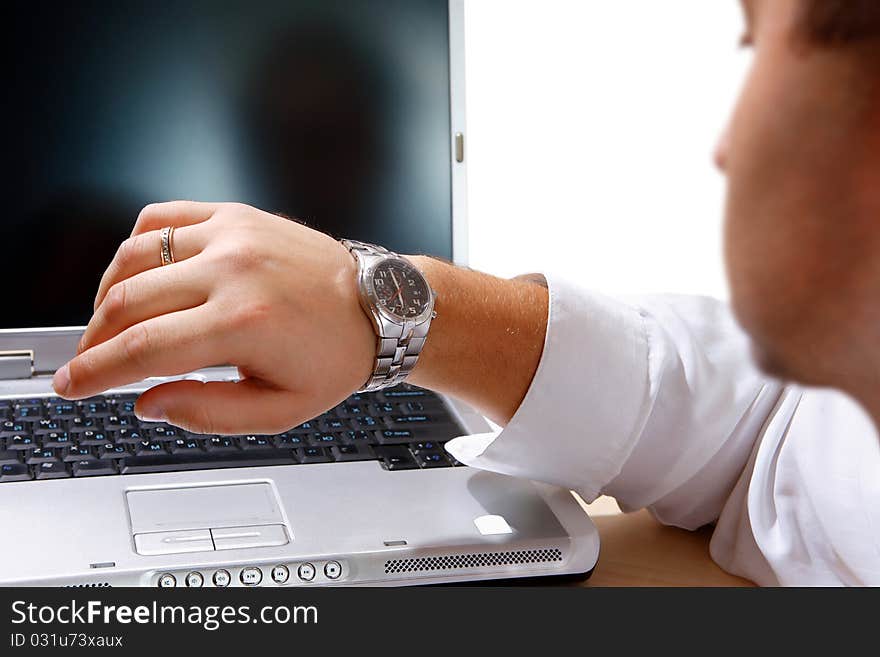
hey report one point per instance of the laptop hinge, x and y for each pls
(16, 364)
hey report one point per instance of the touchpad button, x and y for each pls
(203, 507)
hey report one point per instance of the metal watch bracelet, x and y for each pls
(398, 344)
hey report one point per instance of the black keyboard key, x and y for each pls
(93, 468)
(98, 409)
(14, 472)
(11, 428)
(314, 455)
(80, 424)
(396, 436)
(432, 460)
(185, 446)
(205, 461)
(43, 456)
(351, 410)
(251, 443)
(128, 436)
(78, 453)
(396, 457)
(57, 439)
(52, 470)
(110, 452)
(427, 446)
(289, 440)
(324, 439)
(221, 444)
(92, 438)
(9, 456)
(409, 419)
(334, 424)
(126, 406)
(360, 437)
(149, 447)
(28, 413)
(352, 453)
(163, 432)
(47, 425)
(366, 422)
(63, 411)
(120, 422)
(20, 442)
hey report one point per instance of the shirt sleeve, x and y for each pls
(653, 400)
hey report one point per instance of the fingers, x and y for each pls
(141, 252)
(148, 294)
(174, 213)
(170, 344)
(219, 407)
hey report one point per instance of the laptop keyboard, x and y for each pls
(404, 428)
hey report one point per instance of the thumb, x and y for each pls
(218, 407)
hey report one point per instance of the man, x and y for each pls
(654, 401)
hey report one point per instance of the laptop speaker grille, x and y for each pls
(473, 560)
(92, 585)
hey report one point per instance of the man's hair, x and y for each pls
(842, 22)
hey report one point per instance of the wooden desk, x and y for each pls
(639, 551)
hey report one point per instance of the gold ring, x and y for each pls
(165, 248)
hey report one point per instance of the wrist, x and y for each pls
(486, 340)
(426, 373)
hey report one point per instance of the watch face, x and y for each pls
(400, 289)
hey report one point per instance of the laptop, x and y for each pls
(345, 114)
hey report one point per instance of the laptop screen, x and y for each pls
(335, 112)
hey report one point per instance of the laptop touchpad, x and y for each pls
(203, 507)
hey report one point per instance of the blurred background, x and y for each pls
(591, 128)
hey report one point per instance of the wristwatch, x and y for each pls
(397, 298)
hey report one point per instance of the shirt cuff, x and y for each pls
(595, 348)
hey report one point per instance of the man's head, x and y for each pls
(802, 157)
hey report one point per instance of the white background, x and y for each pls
(591, 126)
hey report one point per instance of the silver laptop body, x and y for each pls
(320, 524)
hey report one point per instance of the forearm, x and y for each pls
(486, 341)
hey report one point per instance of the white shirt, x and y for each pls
(656, 402)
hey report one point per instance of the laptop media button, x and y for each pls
(195, 580)
(222, 578)
(306, 572)
(251, 576)
(280, 574)
(332, 570)
(167, 581)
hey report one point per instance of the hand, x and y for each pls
(266, 294)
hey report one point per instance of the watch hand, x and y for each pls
(397, 285)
